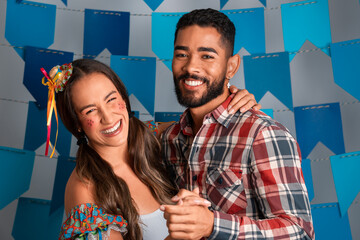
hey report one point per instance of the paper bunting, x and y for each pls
(138, 75)
(29, 24)
(64, 168)
(250, 29)
(306, 168)
(345, 169)
(263, 2)
(346, 65)
(15, 173)
(269, 112)
(30, 214)
(306, 20)
(65, 2)
(167, 116)
(269, 72)
(106, 30)
(223, 3)
(319, 123)
(36, 58)
(35, 134)
(162, 35)
(327, 222)
(153, 4)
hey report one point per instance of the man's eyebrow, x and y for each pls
(181, 48)
(207, 49)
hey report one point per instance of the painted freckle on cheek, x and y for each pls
(121, 105)
(90, 122)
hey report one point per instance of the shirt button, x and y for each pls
(194, 178)
(220, 180)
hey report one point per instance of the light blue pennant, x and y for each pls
(345, 169)
(269, 112)
(153, 4)
(306, 20)
(269, 72)
(223, 3)
(29, 24)
(138, 75)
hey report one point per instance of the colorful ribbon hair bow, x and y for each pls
(56, 82)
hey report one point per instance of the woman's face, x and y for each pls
(101, 111)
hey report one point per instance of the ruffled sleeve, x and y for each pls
(89, 219)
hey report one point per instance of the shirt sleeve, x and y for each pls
(278, 185)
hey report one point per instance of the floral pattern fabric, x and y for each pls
(87, 219)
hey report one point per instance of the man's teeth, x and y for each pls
(113, 129)
(193, 83)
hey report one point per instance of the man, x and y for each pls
(246, 165)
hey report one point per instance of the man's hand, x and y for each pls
(242, 100)
(190, 218)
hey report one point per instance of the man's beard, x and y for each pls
(187, 99)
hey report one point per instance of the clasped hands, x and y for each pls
(190, 218)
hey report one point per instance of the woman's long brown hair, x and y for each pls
(111, 191)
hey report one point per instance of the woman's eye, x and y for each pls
(111, 99)
(90, 111)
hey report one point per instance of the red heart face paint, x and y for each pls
(122, 105)
(90, 122)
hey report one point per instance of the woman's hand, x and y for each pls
(243, 101)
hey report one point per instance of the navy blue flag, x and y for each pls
(106, 30)
(64, 168)
(346, 65)
(36, 131)
(269, 72)
(15, 173)
(328, 224)
(319, 123)
(36, 58)
(306, 168)
(29, 24)
(26, 226)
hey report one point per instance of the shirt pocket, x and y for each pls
(225, 190)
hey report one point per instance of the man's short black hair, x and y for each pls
(210, 18)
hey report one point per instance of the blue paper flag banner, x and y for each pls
(306, 168)
(345, 169)
(106, 30)
(64, 168)
(327, 222)
(268, 112)
(36, 58)
(65, 2)
(153, 4)
(269, 72)
(27, 227)
(223, 3)
(167, 116)
(250, 29)
(163, 34)
(319, 123)
(138, 75)
(15, 173)
(306, 20)
(29, 24)
(345, 63)
(263, 2)
(36, 131)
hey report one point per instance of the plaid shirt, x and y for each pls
(249, 167)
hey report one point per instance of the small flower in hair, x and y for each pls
(60, 75)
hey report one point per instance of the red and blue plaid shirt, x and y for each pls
(249, 167)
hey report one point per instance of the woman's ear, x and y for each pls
(233, 65)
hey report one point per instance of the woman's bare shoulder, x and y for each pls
(77, 192)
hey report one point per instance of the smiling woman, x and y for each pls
(118, 176)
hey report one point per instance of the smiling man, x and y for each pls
(247, 165)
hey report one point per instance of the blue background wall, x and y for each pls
(299, 58)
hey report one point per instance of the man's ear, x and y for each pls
(233, 65)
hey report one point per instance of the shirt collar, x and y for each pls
(220, 114)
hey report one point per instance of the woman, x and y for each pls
(119, 182)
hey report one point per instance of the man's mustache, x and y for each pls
(193, 76)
